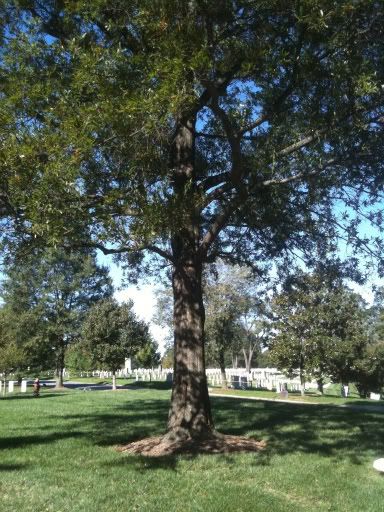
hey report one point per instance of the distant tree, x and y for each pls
(111, 333)
(235, 314)
(167, 359)
(319, 329)
(370, 370)
(77, 358)
(12, 356)
(147, 356)
(50, 292)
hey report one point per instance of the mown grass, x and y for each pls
(310, 397)
(57, 454)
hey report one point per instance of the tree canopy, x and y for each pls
(245, 129)
(48, 295)
(320, 329)
(111, 333)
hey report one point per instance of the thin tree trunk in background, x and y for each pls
(60, 364)
(302, 378)
(224, 383)
(114, 380)
(248, 359)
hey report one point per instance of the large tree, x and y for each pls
(49, 294)
(189, 130)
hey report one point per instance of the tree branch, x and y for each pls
(122, 249)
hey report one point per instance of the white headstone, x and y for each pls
(379, 465)
(10, 386)
(23, 386)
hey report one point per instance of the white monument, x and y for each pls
(379, 465)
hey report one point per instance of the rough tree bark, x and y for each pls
(190, 413)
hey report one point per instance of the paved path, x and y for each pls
(366, 408)
(80, 385)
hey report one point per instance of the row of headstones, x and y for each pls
(243, 382)
(11, 386)
(144, 375)
(162, 376)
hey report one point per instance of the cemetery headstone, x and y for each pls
(243, 382)
(236, 381)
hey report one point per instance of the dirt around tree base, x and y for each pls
(161, 446)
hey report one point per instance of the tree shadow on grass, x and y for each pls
(328, 431)
(159, 385)
(31, 397)
(7, 443)
(336, 433)
(121, 424)
(12, 467)
(288, 428)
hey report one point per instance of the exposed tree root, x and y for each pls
(216, 443)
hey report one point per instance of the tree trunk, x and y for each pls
(248, 359)
(59, 377)
(190, 412)
(320, 385)
(60, 364)
(302, 378)
(114, 381)
(234, 361)
(224, 383)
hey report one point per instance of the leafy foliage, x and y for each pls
(247, 130)
(286, 112)
(111, 333)
(48, 295)
(320, 329)
(12, 356)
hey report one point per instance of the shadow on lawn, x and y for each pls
(287, 428)
(7, 443)
(161, 385)
(30, 396)
(327, 431)
(12, 467)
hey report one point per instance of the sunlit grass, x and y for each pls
(329, 397)
(57, 454)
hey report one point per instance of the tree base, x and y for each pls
(166, 445)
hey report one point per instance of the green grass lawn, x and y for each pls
(57, 455)
(329, 397)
